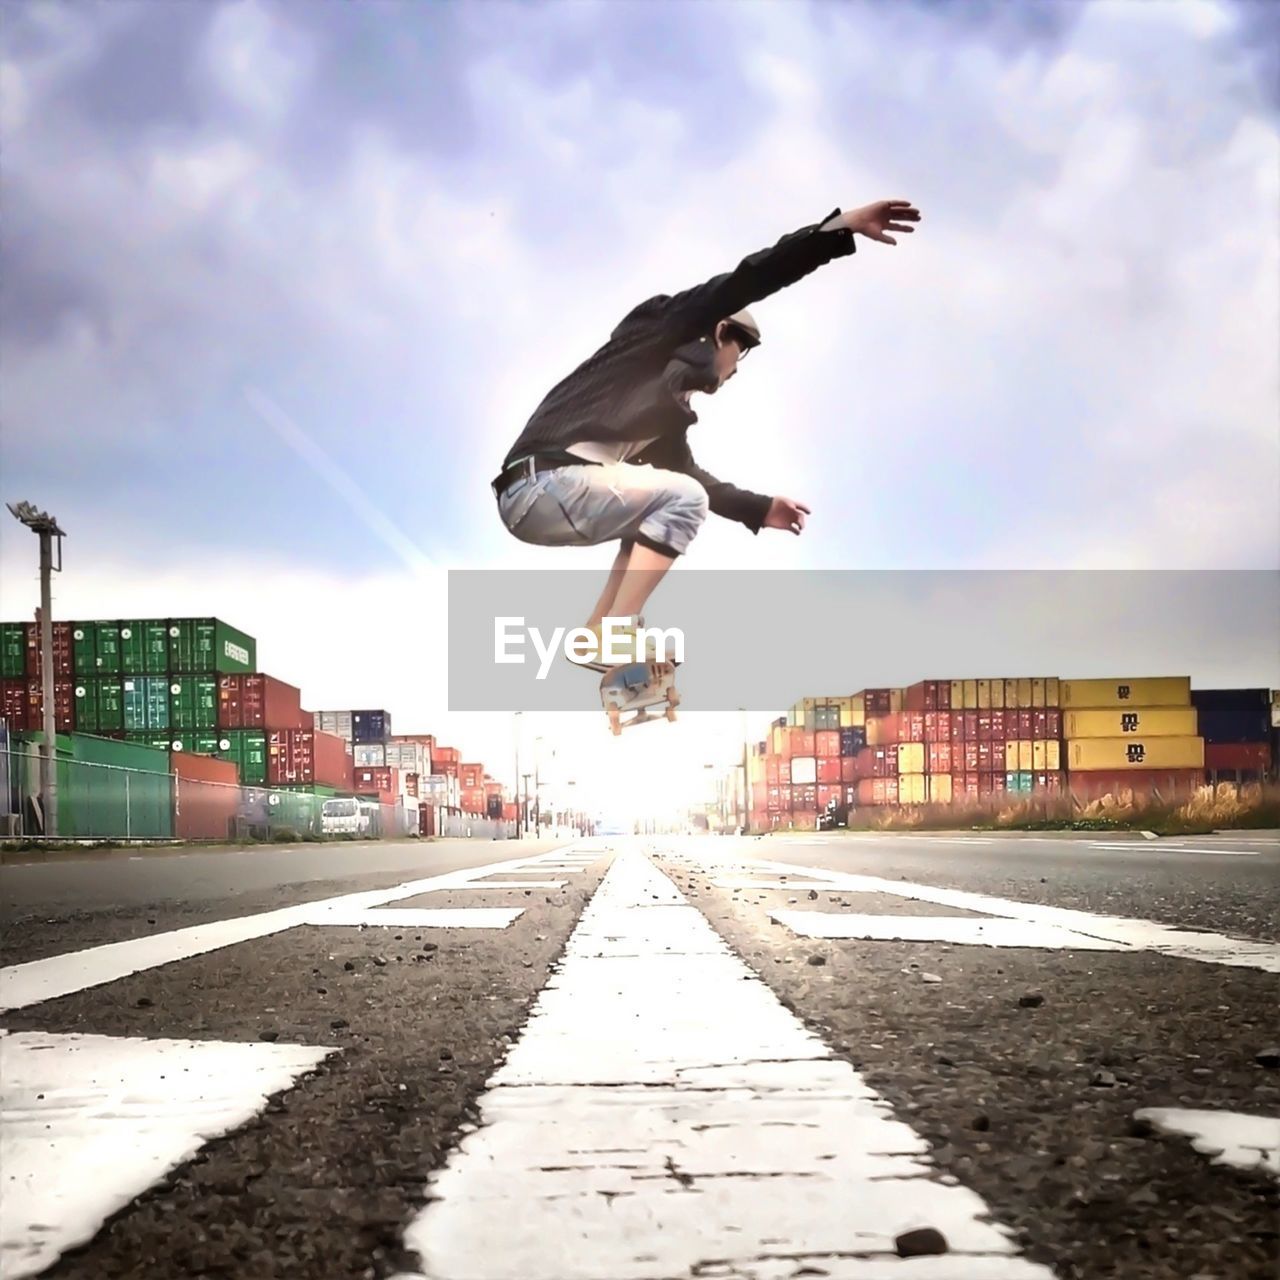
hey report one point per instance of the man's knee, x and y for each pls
(688, 501)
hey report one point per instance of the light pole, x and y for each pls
(46, 528)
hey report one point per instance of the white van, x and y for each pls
(346, 817)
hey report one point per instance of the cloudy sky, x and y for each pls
(282, 281)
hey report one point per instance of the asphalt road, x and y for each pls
(638, 1060)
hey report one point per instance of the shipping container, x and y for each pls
(911, 758)
(1117, 722)
(335, 722)
(99, 704)
(144, 647)
(939, 788)
(64, 705)
(370, 755)
(198, 645)
(928, 695)
(829, 768)
(853, 712)
(255, 700)
(1145, 691)
(827, 742)
(13, 651)
(938, 757)
(153, 739)
(382, 780)
(878, 791)
(370, 726)
(912, 788)
(193, 702)
(290, 755)
(146, 703)
(1135, 753)
(853, 739)
(848, 769)
(1232, 715)
(470, 774)
(332, 765)
(95, 648)
(1237, 757)
(247, 749)
(13, 704)
(205, 797)
(414, 756)
(1158, 784)
(804, 769)
(198, 742)
(63, 662)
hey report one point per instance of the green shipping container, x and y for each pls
(144, 647)
(99, 704)
(109, 789)
(199, 742)
(209, 644)
(294, 810)
(157, 741)
(13, 650)
(95, 648)
(309, 789)
(248, 749)
(193, 702)
(146, 703)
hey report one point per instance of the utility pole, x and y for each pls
(46, 528)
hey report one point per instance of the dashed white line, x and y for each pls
(663, 1114)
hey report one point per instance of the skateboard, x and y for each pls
(639, 690)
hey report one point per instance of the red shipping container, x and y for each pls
(1055, 723)
(759, 796)
(939, 756)
(848, 769)
(971, 726)
(985, 730)
(928, 695)
(63, 650)
(827, 792)
(13, 703)
(784, 797)
(771, 770)
(876, 702)
(64, 706)
(206, 796)
(997, 726)
(447, 768)
(998, 781)
(258, 701)
(805, 797)
(984, 786)
(447, 755)
(1091, 784)
(804, 742)
(773, 800)
(371, 780)
(1231, 757)
(1026, 723)
(965, 786)
(826, 742)
(411, 785)
(470, 775)
(878, 791)
(1039, 724)
(957, 726)
(829, 768)
(937, 726)
(990, 756)
(290, 756)
(331, 764)
(967, 759)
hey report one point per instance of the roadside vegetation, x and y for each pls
(1224, 807)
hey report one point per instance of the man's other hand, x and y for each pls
(786, 514)
(876, 220)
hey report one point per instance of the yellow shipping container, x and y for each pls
(857, 713)
(1024, 692)
(939, 785)
(1011, 757)
(1026, 755)
(997, 695)
(984, 695)
(1037, 692)
(911, 788)
(1084, 754)
(1052, 691)
(1011, 702)
(910, 757)
(957, 695)
(1152, 691)
(1046, 754)
(778, 736)
(896, 699)
(1147, 722)
(970, 695)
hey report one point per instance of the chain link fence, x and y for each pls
(98, 801)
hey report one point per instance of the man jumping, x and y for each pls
(605, 456)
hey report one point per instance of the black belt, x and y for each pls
(527, 468)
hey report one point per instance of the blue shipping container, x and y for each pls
(852, 740)
(1232, 715)
(370, 726)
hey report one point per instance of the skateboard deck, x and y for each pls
(639, 691)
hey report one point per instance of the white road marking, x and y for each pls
(90, 1122)
(505, 884)
(37, 980)
(1178, 848)
(958, 929)
(422, 918)
(1229, 1137)
(663, 1114)
(1144, 935)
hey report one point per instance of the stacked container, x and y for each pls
(1236, 727)
(1138, 734)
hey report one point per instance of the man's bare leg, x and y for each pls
(633, 578)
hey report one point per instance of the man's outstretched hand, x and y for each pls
(875, 221)
(785, 514)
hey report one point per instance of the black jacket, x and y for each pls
(630, 388)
